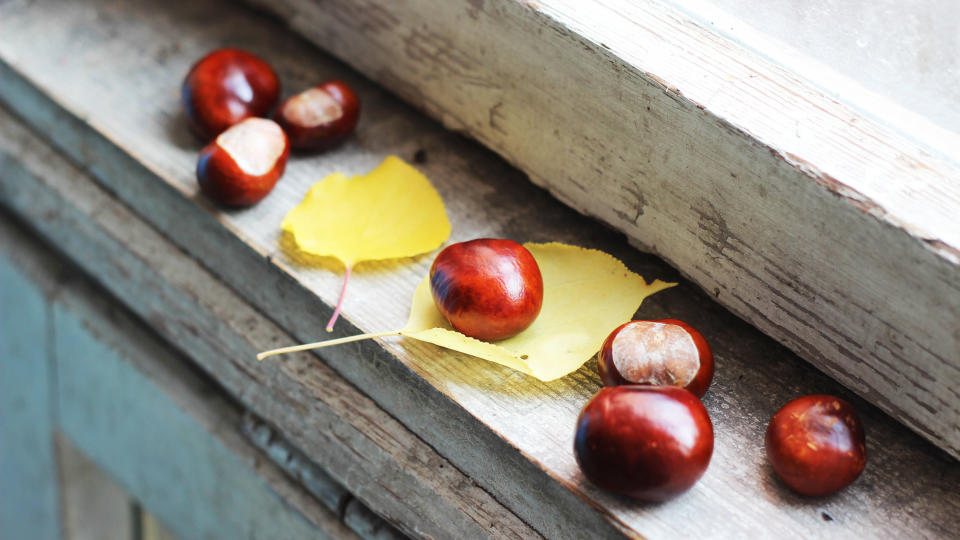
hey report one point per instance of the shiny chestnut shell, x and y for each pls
(225, 87)
(229, 177)
(816, 444)
(321, 117)
(658, 352)
(488, 289)
(647, 442)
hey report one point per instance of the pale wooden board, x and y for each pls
(29, 505)
(383, 464)
(468, 406)
(798, 213)
(153, 529)
(93, 506)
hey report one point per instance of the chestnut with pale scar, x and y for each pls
(321, 117)
(671, 356)
(255, 145)
(242, 164)
(663, 352)
(312, 108)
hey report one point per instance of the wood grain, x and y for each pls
(366, 450)
(510, 434)
(191, 468)
(796, 212)
(314, 479)
(134, 408)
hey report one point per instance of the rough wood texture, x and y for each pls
(367, 524)
(314, 479)
(383, 464)
(796, 212)
(511, 434)
(133, 407)
(191, 467)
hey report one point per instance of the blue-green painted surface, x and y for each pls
(28, 479)
(160, 454)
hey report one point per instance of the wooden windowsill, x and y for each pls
(795, 211)
(102, 87)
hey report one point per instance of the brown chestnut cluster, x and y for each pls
(227, 96)
(645, 435)
(648, 436)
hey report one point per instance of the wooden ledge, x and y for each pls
(111, 376)
(380, 461)
(112, 107)
(796, 212)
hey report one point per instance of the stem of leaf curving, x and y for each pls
(322, 344)
(343, 292)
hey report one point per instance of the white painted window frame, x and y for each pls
(831, 231)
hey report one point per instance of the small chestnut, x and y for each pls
(488, 288)
(647, 442)
(243, 163)
(225, 87)
(319, 118)
(816, 445)
(661, 352)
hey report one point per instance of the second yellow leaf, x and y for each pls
(389, 213)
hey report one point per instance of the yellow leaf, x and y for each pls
(389, 213)
(586, 294)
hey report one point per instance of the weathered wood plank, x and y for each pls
(314, 479)
(382, 463)
(29, 505)
(797, 212)
(133, 407)
(361, 519)
(190, 467)
(511, 434)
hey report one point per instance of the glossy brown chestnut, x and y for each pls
(816, 445)
(243, 163)
(319, 118)
(488, 289)
(647, 442)
(661, 352)
(225, 87)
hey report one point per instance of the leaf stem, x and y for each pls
(343, 292)
(322, 344)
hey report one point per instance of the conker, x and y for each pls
(225, 87)
(321, 117)
(816, 445)
(660, 352)
(243, 163)
(647, 442)
(488, 289)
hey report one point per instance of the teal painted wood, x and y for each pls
(163, 457)
(324, 417)
(28, 476)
